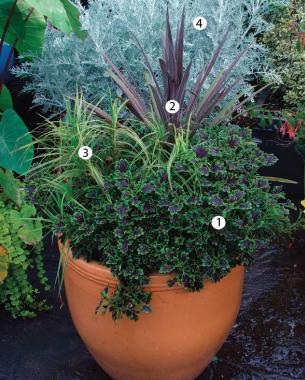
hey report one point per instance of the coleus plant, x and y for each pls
(194, 108)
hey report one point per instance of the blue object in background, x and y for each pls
(6, 48)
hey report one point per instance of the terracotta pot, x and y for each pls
(175, 342)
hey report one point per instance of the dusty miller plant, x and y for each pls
(67, 63)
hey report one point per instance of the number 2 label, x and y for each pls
(172, 106)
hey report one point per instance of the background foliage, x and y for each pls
(67, 63)
(20, 250)
(285, 54)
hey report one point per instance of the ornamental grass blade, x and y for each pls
(99, 112)
(150, 69)
(170, 58)
(128, 89)
(182, 87)
(233, 107)
(181, 93)
(248, 98)
(222, 115)
(163, 68)
(134, 101)
(180, 46)
(225, 76)
(203, 75)
(217, 100)
(160, 106)
(281, 180)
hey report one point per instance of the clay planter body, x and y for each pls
(175, 342)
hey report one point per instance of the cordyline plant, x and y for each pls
(175, 78)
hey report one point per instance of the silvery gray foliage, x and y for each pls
(67, 64)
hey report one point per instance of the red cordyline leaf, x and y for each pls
(203, 75)
(175, 80)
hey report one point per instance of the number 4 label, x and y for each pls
(200, 23)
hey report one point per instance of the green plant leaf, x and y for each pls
(6, 101)
(16, 27)
(10, 186)
(28, 228)
(61, 13)
(73, 15)
(16, 148)
(282, 180)
(4, 263)
(30, 34)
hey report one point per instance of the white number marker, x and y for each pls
(218, 223)
(200, 23)
(172, 106)
(85, 153)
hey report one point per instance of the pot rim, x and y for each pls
(102, 275)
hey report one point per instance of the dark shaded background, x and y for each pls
(266, 343)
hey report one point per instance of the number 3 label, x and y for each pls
(200, 23)
(85, 153)
(172, 106)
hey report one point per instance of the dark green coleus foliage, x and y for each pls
(140, 223)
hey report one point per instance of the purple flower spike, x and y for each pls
(217, 201)
(204, 171)
(122, 166)
(124, 246)
(201, 151)
(124, 182)
(122, 211)
(163, 177)
(80, 218)
(173, 209)
(148, 188)
(233, 142)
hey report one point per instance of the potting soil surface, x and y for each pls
(267, 341)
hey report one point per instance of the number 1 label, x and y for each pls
(218, 223)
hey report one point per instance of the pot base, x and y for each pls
(176, 341)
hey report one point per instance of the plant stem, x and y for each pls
(7, 24)
(304, 179)
(7, 64)
(13, 46)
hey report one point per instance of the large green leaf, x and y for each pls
(16, 27)
(61, 13)
(11, 186)
(34, 30)
(16, 147)
(28, 23)
(4, 262)
(28, 228)
(30, 34)
(6, 101)
(73, 15)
